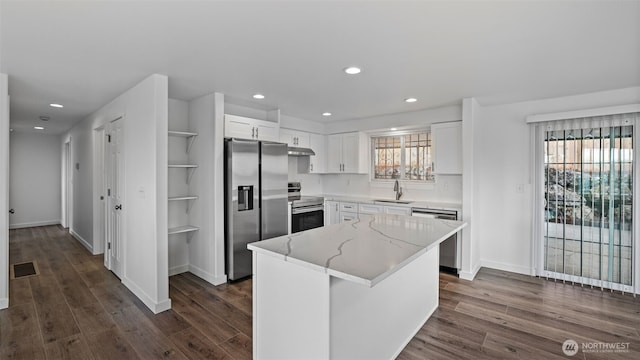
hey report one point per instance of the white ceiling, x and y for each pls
(84, 53)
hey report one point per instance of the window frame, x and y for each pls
(414, 183)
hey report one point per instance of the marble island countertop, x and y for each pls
(364, 251)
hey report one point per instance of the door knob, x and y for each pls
(119, 207)
(12, 211)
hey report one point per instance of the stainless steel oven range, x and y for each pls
(307, 212)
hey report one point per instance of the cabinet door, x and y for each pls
(267, 131)
(397, 210)
(238, 127)
(331, 212)
(350, 152)
(369, 209)
(318, 162)
(447, 148)
(347, 216)
(334, 153)
(302, 139)
(287, 136)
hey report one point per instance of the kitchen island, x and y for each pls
(355, 290)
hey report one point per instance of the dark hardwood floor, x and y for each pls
(74, 308)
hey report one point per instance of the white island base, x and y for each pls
(303, 313)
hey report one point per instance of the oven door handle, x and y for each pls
(309, 209)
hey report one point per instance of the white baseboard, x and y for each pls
(208, 277)
(4, 303)
(507, 267)
(178, 269)
(34, 224)
(470, 275)
(155, 307)
(82, 241)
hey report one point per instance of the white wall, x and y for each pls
(503, 220)
(144, 109)
(35, 179)
(4, 192)
(206, 249)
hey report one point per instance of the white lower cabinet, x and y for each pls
(370, 209)
(348, 211)
(336, 212)
(331, 212)
(397, 210)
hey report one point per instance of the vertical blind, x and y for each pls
(586, 177)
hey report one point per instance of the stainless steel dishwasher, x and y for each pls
(449, 260)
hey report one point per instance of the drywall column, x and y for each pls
(4, 192)
(470, 244)
(146, 267)
(206, 250)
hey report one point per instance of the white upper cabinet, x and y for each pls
(447, 148)
(247, 128)
(348, 153)
(294, 138)
(318, 162)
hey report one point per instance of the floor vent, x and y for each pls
(24, 269)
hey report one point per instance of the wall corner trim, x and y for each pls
(82, 241)
(155, 307)
(470, 275)
(208, 277)
(4, 303)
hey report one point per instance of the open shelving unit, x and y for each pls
(188, 199)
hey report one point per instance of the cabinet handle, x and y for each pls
(295, 141)
(433, 166)
(253, 132)
(311, 167)
(257, 132)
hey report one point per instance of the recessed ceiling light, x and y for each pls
(258, 96)
(38, 127)
(393, 129)
(56, 105)
(326, 114)
(44, 118)
(410, 100)
(352, 70)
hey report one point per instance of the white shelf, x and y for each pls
(184, 166)
(177, 198)
(183, 229)
(191, 168)
(186, 198)
(182, 133)
(191, 136)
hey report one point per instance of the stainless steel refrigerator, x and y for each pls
(256, 175)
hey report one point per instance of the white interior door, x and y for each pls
(115, 198)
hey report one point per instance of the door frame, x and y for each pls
(99, 190)
(106, 220)
(67, 185)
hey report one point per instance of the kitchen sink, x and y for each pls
(392, 201)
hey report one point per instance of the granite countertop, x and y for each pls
(439, 205)
(364, 251)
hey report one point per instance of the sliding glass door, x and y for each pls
(588, 211)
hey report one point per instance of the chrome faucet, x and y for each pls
(398, 189)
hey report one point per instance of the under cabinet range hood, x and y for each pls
(299, 151)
